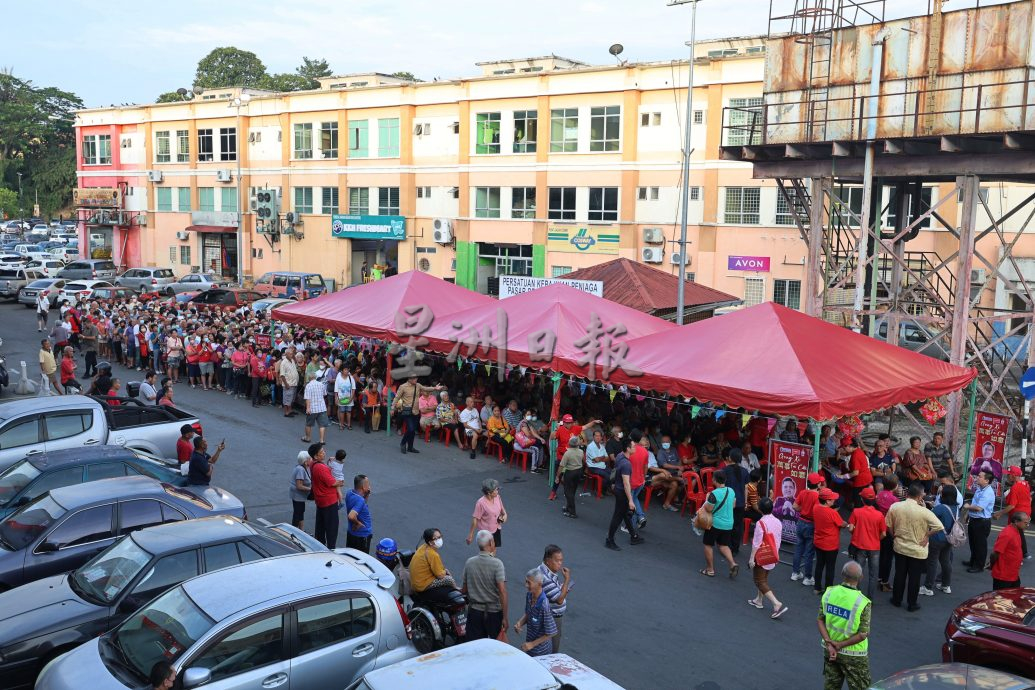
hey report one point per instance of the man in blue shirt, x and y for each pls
(980, 525)
(199, 469)
(361, 526)
(538, 619)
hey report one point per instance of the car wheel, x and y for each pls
(170, 292)
(423, 634)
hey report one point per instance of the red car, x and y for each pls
(226, 298)
(995, 629)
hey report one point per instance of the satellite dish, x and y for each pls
(198, 90)
(616, 49)
(182, 91)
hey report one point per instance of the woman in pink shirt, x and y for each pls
(489, 513)
(886, 497)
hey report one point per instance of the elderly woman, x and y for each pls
(525, 440)
(489, 513)
(301, 485)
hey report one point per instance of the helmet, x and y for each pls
(387, 551)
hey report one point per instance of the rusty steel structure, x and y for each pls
(904, 150)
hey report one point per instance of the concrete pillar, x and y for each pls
(969, 186)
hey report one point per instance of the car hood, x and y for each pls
(952, 677)
(69, 671)
(1006, 608)
(41, 607)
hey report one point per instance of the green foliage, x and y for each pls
(8, 202)
(312, 70)
(406, 75)
(230, 67)
(286, 82)
(169, 97)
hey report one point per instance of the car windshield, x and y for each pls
(161, 631)
(72, 287)
(41, 283)
(16, 478)
(19, 529)
(104, 578)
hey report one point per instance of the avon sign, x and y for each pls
(748, 263)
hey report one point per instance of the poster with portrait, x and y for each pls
(791, 462)
(990, 434)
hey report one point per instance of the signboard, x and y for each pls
(516, 285)
(748, 263)
(1028, 384)
(96, 197)
(263, 340)
(591, 240)
(790, 463)
(219, 219)
(990, 434)
(369, 227)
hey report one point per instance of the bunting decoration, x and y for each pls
(744, 419)
(719, 414)
(612, 393)
(582, 388)
(488, 369)
(694, 411)
(669, 405)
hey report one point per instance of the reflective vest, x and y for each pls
(842, 611)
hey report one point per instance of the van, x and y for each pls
(290, 284)
(89, 269)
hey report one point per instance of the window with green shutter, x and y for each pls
(359, 139)
(183, 198)
(164, 199)
(388, 137)
(206, 199)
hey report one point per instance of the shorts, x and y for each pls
(319, 419)
(289, 396)
(173, 362)
(718, 537)
(207, 368)
(760, 576)
(193, 370)
(432, 421)
(497, 537)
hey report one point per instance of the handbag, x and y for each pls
(703, 520)
(375, 418)
(767, 553)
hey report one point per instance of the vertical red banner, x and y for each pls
(991, 432)
(790, 463)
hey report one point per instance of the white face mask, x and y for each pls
(528, 417)
(619, 434)
(666, 446)
(437, 543)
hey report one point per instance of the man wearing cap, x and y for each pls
(804, 550)
(1017, 499)
(827, 539)
(911, 524)
(868, 528)
(858, 468)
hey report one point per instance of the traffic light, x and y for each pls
(267, 210)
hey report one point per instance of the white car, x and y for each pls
(65, 253)
(41, 229)
(48, 267)
(80, 290)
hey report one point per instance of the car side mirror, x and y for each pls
(193, 677)
(22, 501)
(47, 547)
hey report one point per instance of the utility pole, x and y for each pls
(237, 102)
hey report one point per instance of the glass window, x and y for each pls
(110, 571)
(754, 291)
(248, 554)
(331, 622)
(605, 128)
(90, 150)
(165, 573)
(742, 205)
(170, 514)
(220, 556)
(303, 199)
(105, 470)
(21, 433)
(228, 199)
(161, 631)
(83, 527)
(227, 143)
(787, 293)
(138, 514)
(255, 645)
(329, 139)
(104, 149)
(564, 130)
(164, 199)
(303, 140)
(744, 121)
(67, 424)
(182, 146)
(183, 198)
(522, 202)
(487, 202)
(562, 203)
(388, 137)
(487, 133)
(526, 128)
(388, 201)
(163, 147)
(359, 201)
(695, 194)
(784, 216)
(205, 145)
(359, 138)
(16, 478)
(329, 200)
(185, 254)
(558, 271)
(206, 198)
(603, 203)
(55, 480)
(913, 214)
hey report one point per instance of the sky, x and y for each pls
(120, 51)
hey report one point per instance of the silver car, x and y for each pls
(12, 280)
(89, 269)
(48, 286)
(146, 279)
(311, 620)
(196, 282)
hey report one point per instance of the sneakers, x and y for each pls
(796, 576)
(926, 592)
(946, 589)
(637, 539)
(473, 454)
(808, 582)
(608, 543)
(642, 523)
(623, 528)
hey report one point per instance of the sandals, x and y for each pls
(734, 569)
(756, 604)
(704, 571)
(779, 612)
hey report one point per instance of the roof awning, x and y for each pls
(211, 228)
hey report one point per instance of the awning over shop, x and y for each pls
(775, 360)
(211, 228)
(369, 310)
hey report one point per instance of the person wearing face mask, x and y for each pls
(193, 354)
(205, 363)
(429, 578)
(361, 526)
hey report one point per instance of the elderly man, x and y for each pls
(538, 619)
(48, 366)
(315, 408)
(485, 585)
(448, 418)
(287, 377)
(69, 382)
(844, 624)
(911, 524)
(557, 582)
(472, 425)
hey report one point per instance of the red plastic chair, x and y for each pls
(694, 492)
(523, 456)
(649, 490)
(444, 435)
(595, 479)
(747, 531)
(706, 477)
(492, 446)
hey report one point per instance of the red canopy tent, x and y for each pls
(563, 311)
(369, 310)
(775, 360)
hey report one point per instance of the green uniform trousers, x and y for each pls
(854, 669)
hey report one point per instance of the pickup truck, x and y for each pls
(30, 426)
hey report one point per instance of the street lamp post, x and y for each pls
(680, 294)
(237, 102)
(19, 194)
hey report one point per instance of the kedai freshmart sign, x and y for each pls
(583, 240)
(748, 263)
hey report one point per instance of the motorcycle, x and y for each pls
(4, 380)
(435, 625)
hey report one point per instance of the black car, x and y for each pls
(64, 528)
(40, 473)
(43, 619)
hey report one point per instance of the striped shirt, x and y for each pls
(314, 392)
(552, 585)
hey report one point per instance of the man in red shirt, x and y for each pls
(184, 446)
(325, 495)
(1017, 499)
(827, 539)
(868, 528)
(858, 468)
(804, 551)
(68, 366)
(638, 459)
(1006, 554)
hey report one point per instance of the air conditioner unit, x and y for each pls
(977, 276)
(154, 175)
(653, 235)
(253, 204)
(443, 230)
(675, 258)
(652, 255)
(224, 175)
(182, 235)
(418, 130)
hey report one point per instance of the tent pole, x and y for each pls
(555, 411)
(970, 432)
(388, 398)
(815, 444)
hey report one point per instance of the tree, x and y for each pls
(230, 67)
(169, 97)
(312, 70)
(285, 81)
(8, 202)
(406, 75)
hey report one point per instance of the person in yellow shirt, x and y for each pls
(499, 429)
(428, 577)
(48, 366)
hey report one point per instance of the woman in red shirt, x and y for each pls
(827, 539)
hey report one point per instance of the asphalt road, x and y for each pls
(644, 617)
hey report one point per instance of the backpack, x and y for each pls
(958, 534)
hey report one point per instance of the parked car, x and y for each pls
(30, 426)
(77, 291)
(290, 284)
(48, 267)
(68, 252)
(994, 629)
(14, 279)
(268, 304)
(26, 248)
(89, 269)
(316, 621)
(65, 237)
(40, 229)
(196, 282)
(146, 279)
(484, 664)
(38, 474)
(10, 259)
(43, 619)
(66, 527)
(182, 297)
(50, 286)
(109, 293)
(226, 298)
(952, 677)
(917, 338)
